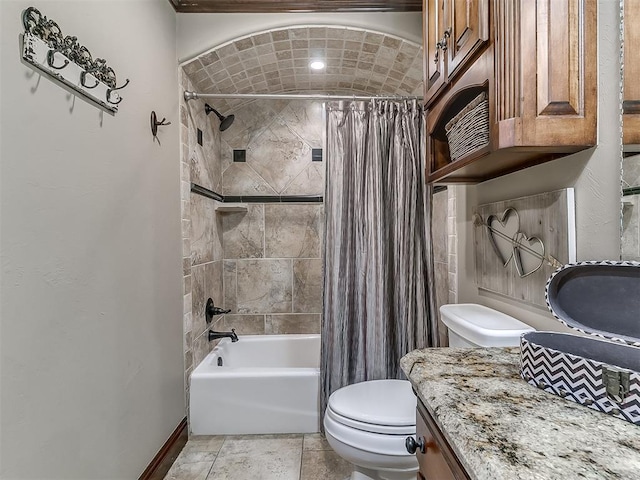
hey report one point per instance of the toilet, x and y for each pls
(368, 423)
(472, 325)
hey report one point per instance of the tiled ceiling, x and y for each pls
(276, 61)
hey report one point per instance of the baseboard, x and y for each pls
(163, 460)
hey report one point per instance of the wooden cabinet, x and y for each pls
(468, 31)
(631, 86)
(537, 69)
(453, 31)
(433, 31)
(436, 459)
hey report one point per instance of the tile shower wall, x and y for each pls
(439, 230)
(631, 209)
(272, 252)
(201, 228)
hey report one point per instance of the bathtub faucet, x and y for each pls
(215, 335)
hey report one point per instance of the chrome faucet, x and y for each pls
(215, 335)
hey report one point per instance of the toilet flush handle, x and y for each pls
(412, 445)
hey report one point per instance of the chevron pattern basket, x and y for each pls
(578, 379)
(600, 371)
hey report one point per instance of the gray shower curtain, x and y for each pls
(378, 264)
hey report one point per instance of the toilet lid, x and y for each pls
(378, 402)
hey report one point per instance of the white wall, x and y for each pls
(595, 174)
(198, 33)
(91, 304)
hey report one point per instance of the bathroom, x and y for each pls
(95, 227)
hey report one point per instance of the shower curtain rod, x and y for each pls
(292, 96)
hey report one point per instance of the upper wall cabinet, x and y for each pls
(510, 83)
(453, 31)
(631, 86)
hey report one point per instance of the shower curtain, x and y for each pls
(378, 264)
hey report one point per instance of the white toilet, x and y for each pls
(368, 423)
(472, 325)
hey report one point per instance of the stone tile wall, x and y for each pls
(201, 228)
(631, 209)
(452, 243)
(439, 230)
(273, 252)
(263, 264)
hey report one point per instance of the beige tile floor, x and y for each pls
(259, 457)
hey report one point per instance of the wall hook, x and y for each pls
(49, 52)
(51, 59)
(83, 76)
(155, 124)
(111, 90)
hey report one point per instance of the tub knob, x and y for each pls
(211, 310)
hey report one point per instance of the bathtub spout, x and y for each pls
(215, 335)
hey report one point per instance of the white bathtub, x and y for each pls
(266, 384)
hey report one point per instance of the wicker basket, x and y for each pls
(468, 131)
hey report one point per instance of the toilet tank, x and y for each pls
(472, 325)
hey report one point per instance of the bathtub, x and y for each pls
(260, 384)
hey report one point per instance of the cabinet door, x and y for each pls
(631, 95)
(558, 58)
(467, 31)
(437, 461)
(432, 464)
(434, 58)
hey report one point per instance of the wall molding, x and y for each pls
(165, 457)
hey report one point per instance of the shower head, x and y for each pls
(225, 122)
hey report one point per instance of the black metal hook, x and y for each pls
(51, 59)
(155, 123)
(111, 90)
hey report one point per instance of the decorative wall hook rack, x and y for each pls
(518, 240)
(66, 62)
(155, 124)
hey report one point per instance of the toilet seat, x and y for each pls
(367, 424)
(371, 427)
(381, 444)
(386, 403)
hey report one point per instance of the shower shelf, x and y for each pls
(231, 208)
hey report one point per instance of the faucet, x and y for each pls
(215, 335)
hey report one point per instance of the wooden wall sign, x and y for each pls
(519, 243)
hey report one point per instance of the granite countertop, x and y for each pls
(500, 427)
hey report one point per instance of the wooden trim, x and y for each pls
(282, 6)
(163, 460)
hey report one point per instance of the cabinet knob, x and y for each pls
(412, 445)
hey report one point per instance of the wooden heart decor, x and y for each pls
(508, 243)
(501, 231)
(531, 249)
(517, 243)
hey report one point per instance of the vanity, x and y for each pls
(477, 419)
